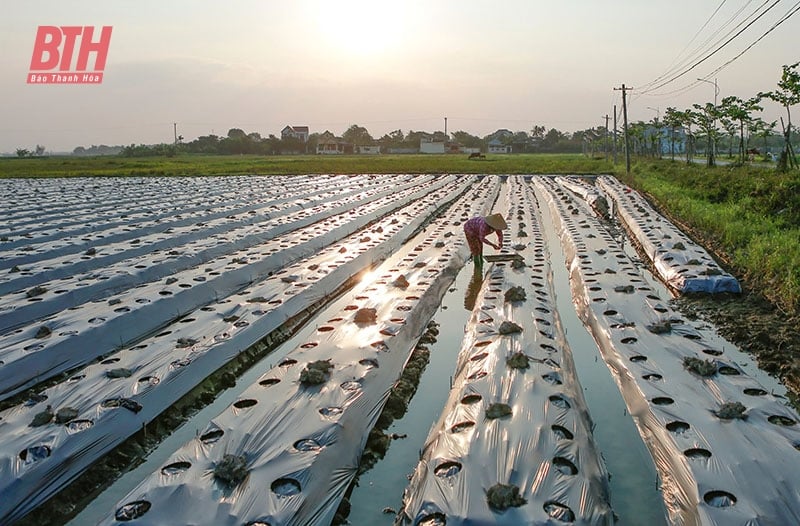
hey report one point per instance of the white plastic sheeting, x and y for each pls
(166, 366)
(85, 332)
(97, 245)
(680, 262)
(713, 470)
(588, 192)
(302, 443)
(545, 446)
(134, 255)
(131, 208)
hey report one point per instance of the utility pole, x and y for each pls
(445, 129)
(175, 132)
(614, 145)
(605, 140)
(625, 127)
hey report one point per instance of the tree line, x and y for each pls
(733, 121)
(238, 142)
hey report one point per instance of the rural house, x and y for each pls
(495, 146)
(329, 144)
(298, 132)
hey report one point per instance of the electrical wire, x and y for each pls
(794, 9)
(675, 64)
(711, 54)
(791, 12)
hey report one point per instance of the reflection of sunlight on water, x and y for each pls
(368, 277)
(383, 485)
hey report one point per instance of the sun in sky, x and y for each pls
(361, 27)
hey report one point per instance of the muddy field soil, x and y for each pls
(748, 320)
(755, 326)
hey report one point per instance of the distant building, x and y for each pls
(495, 146)
(429, 144)
(298, 132)
(676, 144)
(368, 150)
(402, 150)
(328, 144)
(501, 134)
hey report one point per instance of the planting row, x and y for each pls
(681, 263)
(185, 239)
(513, 444)
(58, 208)
(724, 447)
(287, 450)
(59, 432)
(83, 332)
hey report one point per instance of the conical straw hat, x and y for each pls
(496, 221)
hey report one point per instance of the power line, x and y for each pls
(675, 64)
(792, 11)
(712, 39)
(712, 53)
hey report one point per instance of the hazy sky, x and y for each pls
(259, 65)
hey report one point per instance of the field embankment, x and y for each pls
(749, 216)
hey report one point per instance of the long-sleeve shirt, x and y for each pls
(476, 230)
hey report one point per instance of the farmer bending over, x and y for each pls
(476, 230)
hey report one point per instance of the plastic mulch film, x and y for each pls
(588, 192)
(105, 403)
(513, 444)
(133, 254)
(84, 332)
(724, 448)
(679, 262)
(287, 450)
(57, 235)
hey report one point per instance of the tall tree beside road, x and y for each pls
(787, 95)
(705, 117)
(761, 128)
(740, 111)
(673, 119)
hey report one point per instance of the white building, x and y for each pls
(368, 150)
(495, 146)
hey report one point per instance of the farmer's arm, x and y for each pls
(485, 233)
(499, 239)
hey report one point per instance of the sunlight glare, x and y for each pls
(362, 28)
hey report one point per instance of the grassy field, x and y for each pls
(298, 164)
(751, 215)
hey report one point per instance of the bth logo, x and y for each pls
(54, 53)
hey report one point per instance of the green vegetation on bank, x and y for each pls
(752, 215)
(189, 164)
